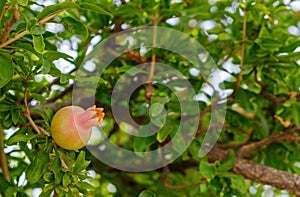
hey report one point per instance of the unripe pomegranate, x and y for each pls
(71, 126)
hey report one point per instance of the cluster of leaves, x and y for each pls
(250, 35)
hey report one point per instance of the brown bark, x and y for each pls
(267, 175)
(3, 160)
(260, 173)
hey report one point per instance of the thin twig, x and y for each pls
(16, 37)
(9, 25)
(249, 134)
(149, 85)
(46, 19)
(43, 131)
(23, 33)
(61, 95)
(289, 135)
(3, 160)
(154, 38)
(27, 114)
(243, 49)
(63, 163)
(201, 116)
(228, 57)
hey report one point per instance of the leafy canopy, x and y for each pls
(255, 45)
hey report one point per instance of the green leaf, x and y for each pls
(142, 144)
(296, 113)
(48, 176)
(20, 137)
(224, 36)
(55, 55)
(66, 180)
(261, 7)
(178, 141)
(264, 132)
(291, 47)
(47, 190)
(127, 10)
(147, 193)
(55, 167)
(94, 8)
(7, 70)
(37, 167)
(45, 113)
(4, 184)
(80, 164)
(163, 133)
(268, 43)
(30, 23)
(215, 30)
(203, 188)
(156, 109)
(264, 33)
(46, 67)
(23, 2)
(52, 9)
(159, 120)
(2, 4)
(5, 107)
(244, 97)
(228, 163)
(39, 98)
(76, 27)
(37, 30)
(26, 46)
(38, 43)
(84, 185)
(208, 170)
(238, 183)
(63, 78)
(15, 116)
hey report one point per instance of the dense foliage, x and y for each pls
(255, 45)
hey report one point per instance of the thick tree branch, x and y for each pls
(267, 175)
(259, 173)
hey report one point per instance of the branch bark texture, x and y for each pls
(259, 173)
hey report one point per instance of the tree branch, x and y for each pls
(259, 173)
(28, 116)
(23, 33)
(243, 49)
(267, 175)
(288, 135)
(61, 95)
(149, 85)
(3, 160)
(9, 25)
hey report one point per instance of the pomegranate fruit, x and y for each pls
(71, 126)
